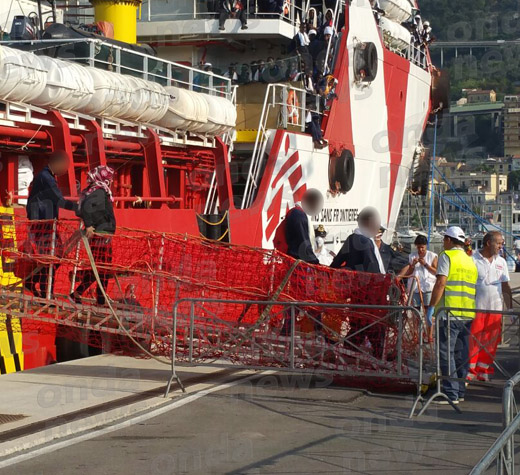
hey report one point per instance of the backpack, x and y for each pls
(280, 236)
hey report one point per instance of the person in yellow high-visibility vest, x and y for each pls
(455, 288)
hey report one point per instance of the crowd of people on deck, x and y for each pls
(420, 31)
(472, 286)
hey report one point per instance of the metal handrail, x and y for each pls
(149, 63)
(270, 101)
(503, 448)
(338, 8)
(255, 12)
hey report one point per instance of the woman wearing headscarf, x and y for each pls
(97, 212)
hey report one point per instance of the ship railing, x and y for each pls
(156, 10)
(338, 9)
(293, 108)
(111, 57)
(416, 55)
(76, 11)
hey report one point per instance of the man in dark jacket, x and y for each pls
(45, 200)
(359, 252)
(45, 197)
(297, 230)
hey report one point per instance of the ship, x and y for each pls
(147, 88)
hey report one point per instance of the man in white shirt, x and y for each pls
(422, 266)
(492, 289)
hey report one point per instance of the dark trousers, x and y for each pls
(41, 234)
(314, 129)
(224, 15)
(455, 358)
(101, 247)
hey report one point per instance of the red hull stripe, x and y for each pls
(337, 125)
(396, 71)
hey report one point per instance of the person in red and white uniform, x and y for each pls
(492, 290)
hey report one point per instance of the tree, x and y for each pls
(513, 180)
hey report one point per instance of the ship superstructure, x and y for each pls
(245, 170)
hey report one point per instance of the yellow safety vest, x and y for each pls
(461, 284)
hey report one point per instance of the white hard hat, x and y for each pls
(328, 31)
(312, 32)
(456, 233)
(426, 23)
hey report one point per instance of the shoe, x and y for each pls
(244, 27)
(461, 399)
(444, 402)
(221, 28)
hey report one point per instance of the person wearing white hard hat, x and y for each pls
(455, 291)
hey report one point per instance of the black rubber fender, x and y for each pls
(342, 171)
(365, 62)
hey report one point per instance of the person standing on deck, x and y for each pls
(298, 228)
(97, 212)
(43, 204)
(359, 252)
(455, 288)
(492, 289)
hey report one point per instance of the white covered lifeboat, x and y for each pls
(396, 10)
(64, 85)
(395, 36)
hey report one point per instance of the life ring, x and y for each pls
(293, 113)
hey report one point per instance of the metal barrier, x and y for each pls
(326, 350)
(503, 450)
(445, 316)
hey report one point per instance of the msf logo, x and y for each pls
(287, 187)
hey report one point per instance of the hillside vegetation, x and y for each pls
(477, 20)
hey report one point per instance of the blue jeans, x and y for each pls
(457, 356)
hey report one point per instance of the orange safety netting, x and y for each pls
(145, 273)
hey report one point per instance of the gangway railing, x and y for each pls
(112, 57)
(291, 114)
